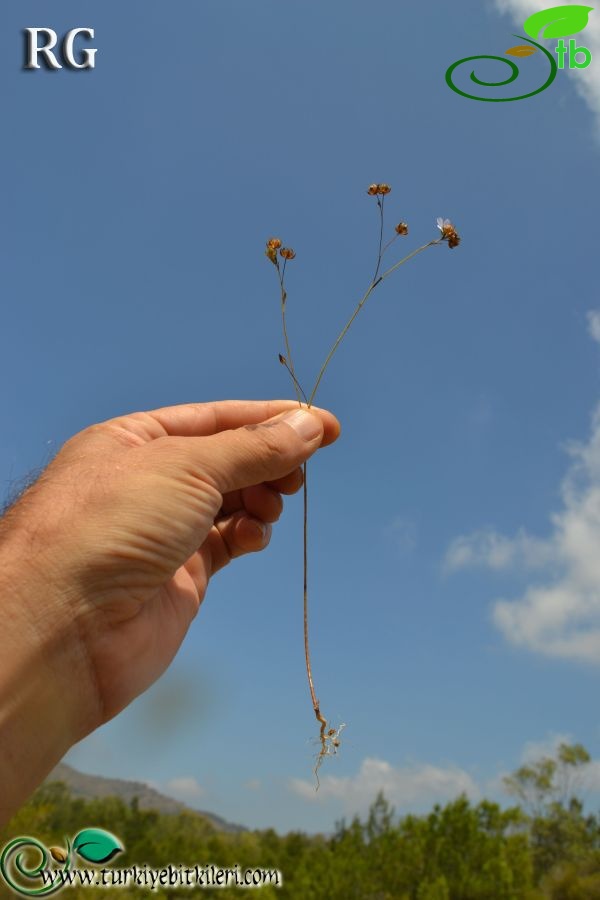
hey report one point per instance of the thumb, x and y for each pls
(252, 454)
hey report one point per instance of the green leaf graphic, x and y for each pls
(96, 846)
(558, 21)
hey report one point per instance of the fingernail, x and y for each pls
(263, 529)
(304, 423)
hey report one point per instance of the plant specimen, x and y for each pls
(329, 737)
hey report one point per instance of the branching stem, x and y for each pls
(329, 737)
(376, 281)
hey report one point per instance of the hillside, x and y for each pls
(94, 786)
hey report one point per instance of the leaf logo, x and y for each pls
(521, 50)
(558, 21)
(96, 845)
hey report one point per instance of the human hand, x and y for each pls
(114, 546)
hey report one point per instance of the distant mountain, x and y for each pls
(91, 786)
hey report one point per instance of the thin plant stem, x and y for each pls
(323, 735)
(297, 384)
(405, 259)
(389, 243)
(360, 305)
(289, 363)
(311, 685)
(381, 252)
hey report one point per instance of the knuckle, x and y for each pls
(270, 440)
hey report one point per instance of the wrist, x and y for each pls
(48, 699)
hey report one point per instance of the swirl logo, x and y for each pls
(556, 22)
(36, 880)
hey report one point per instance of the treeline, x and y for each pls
(542, 847)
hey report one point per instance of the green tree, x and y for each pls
(550, 779)
(563, 840)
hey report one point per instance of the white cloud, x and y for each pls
(402, 532)
(495, 551)
(534, 750)
(408, 786)
(560, 616)
(185, 788)
(414, 788)
(594, 324)
(253, 784)
(587, 81)
(591, 776)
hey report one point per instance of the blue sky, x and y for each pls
(137, 199)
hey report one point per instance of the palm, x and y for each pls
(129, 657)
(139, 629)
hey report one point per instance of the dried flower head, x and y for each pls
(401, 228)
(271, 254)
(383, 188)
(274, 243)
(449, 232)
(445, 226)
(287, 253)
(373, 189)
